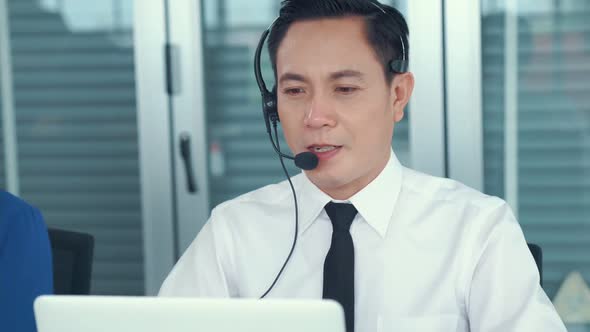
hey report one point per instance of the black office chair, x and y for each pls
(538, 256)
(72, 261)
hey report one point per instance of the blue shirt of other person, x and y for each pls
(25, 263)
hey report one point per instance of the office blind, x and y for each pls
(77, 138)
(553, 132)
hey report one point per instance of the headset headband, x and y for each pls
(395, 65)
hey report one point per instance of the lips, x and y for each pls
(324, 151)
(322, 147)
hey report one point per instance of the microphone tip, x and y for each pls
(306, 161)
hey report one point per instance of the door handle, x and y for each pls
(185, 153)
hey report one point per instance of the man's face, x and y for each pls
(334, 101)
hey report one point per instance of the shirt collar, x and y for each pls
(375, 202)
(311, 202)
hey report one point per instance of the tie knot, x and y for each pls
(341, 215)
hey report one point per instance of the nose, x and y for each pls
(320, 114)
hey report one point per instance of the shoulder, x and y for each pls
(469, 217)
(455, 207)
(17, 216)
(448, 192)
(11, 205)
(13, 209)
(263, 200)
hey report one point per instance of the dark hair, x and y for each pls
(385, 26)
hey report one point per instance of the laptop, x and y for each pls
(58, 313)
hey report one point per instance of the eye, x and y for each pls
(293, 91)
(346, 90)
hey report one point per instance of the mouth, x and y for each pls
(324, 151)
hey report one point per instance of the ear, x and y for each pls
(402, 86)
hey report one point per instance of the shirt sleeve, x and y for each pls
(505, 294)
(202, 271)
(25, 264)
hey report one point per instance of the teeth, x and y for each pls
(324, 148)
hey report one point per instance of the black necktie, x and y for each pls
(339, 264)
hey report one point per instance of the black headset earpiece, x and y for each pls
(269, 108)
(398, 66)
(275, 111)
(269, 98)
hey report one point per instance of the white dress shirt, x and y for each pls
(430, 255)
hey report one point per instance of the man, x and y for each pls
(25, 263)
(400, 250)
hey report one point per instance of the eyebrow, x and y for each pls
(333, 76)
(346, 73)
(291, 77)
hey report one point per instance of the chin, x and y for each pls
(325, 178)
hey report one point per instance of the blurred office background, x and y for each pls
(94, 110)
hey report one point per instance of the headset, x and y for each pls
(304, 160)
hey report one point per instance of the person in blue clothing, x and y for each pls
(25, 263)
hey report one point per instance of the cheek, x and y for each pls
(291, 128)
(371, 130)
(290, 111)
